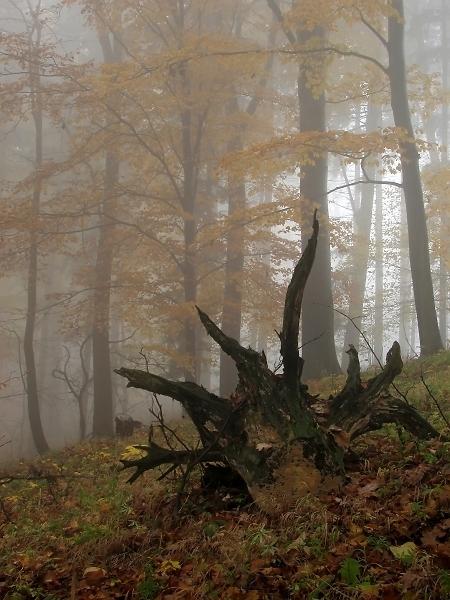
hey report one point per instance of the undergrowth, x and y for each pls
(73, 528)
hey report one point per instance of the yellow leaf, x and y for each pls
(132, 453)
(405, 552)
(169, 566)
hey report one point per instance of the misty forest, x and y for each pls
(224, 299)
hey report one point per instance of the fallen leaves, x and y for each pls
(384, 536)
(168, 567)
(405, 552)
(437, 540)
(94, 575)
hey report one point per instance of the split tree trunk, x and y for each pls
(283, 442)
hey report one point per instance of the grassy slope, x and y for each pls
(90, 535)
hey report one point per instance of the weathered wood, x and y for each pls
(282, 442)
(343, 402)
(190, 395)
(359, 409)
(200, 405)
(354, 398)
(157, 456)
(388, 409)
(292, 310)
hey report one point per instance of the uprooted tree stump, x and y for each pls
(282, 441)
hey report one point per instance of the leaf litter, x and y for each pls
(385, 534)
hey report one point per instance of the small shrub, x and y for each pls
(149, 588)
(350, 571)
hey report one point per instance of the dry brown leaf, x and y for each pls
(370, 488)
(94, 575)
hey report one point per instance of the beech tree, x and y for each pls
(430, 339)
(103, 390)
(386, 22)
(362, 218)
(318, 316)
(31, 58)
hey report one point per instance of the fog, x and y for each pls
(162, 155)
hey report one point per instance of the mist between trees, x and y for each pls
(161, 155)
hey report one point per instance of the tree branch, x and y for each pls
(276, 10)
(383, 380)
(157, 456)
(229, 345)
(392, 410)
(292, 309)
(345, 400)
(201, 405)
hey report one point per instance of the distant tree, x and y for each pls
(318, 317)
(430, 339)
(103, 419)
(29, 64)
(362, 220)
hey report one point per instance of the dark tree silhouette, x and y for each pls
(281, 440)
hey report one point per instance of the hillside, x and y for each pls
(71, 527)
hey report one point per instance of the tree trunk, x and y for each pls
(404, 284)
(189, 200)
(101, 356)
(379, 276)
(34, 412)
(318, 345)
(443, 271)
(101, 353)
(86, 379)
(232, 294)
(430, 339)
(232, 298)
(360, 252)
(283, 442)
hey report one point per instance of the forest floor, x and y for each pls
(72, 528)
